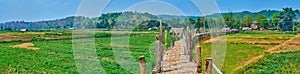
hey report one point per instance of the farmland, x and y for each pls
(243, 47)
(56, 55)
(286, 62)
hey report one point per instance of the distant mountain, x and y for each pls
(268, 13)
(117, 20)
(121, 19)
(51, 24)
(176, 17)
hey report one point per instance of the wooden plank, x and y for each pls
(190, 46)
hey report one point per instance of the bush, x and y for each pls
(101, 35)
(58, 33)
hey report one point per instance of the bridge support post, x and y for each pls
(208, 66)
(173, 40)
(166, 38)
(142, 65)
(158, 55)
(198, 60)
(190, 46)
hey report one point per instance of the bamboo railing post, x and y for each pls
(142, 65)
(190, 46)
(166, 38)
(199, 60)
(173, 39)
(161, 31)
(208, 66)
(161, 40)
(184, 41)
(158, 55)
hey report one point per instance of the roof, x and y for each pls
(176, 30)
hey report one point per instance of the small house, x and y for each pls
(254, 25)
(225, 29)
(246, 28)
(176, 30)
(23, 30)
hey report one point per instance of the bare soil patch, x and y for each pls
(26, 46)
(10, 38)
(213, 39)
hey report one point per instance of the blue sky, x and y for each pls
(37, 10)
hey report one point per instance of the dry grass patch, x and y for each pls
(108, 59)
(290, 45)
(26, 46)
(4, 37)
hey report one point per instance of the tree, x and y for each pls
(262, 21)
(111, 23)
(229, 20)
(238, 23)
(275, 20)
(286, 18)
(199, 23)
(190, 21)
(248, 19)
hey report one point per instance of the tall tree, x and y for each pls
(262, 21)
(199, 23)
(248, 19)
(238, 23)
(286, 18)
(229, 20)
(275, 20)
(190, 21)
(111, 23)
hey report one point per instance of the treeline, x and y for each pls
(285, 20)
(121, 20)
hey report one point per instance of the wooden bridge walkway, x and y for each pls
(179, 58)
(174, 62)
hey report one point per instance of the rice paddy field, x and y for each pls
(56, 55)
(244, 48)
(282, 63)
(51, 52)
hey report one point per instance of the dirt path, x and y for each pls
(176, 63)
(26, 46)
(213, 39)
(291, 45)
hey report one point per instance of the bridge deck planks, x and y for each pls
(176, 63)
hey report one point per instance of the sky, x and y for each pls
(38, 10)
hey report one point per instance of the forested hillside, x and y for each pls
(121, 20)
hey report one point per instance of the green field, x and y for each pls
(287, 62)
(56, 56)
(244, 46)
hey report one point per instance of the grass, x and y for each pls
(286, 62)
(56, 56)
(244, 46)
